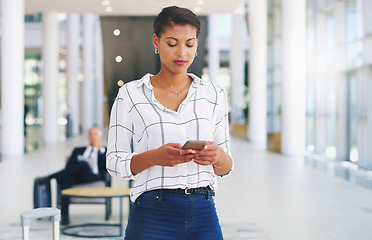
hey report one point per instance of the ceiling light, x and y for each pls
(120, 83)
(108, 9)
(200, 2)
(80, 77)
(105, 2)
(197, 9)
(63, 51)
(118, 59)
(116, 32)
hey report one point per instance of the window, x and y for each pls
(354, 23)
(352, 118)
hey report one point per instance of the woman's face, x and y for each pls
(177, 46)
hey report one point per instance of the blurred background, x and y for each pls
(298, 73)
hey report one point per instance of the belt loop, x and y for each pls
(208, 193)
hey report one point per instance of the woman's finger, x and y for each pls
(202, 162)
(186, 151)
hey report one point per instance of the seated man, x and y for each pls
(85, 165)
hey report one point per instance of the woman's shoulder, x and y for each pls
(214, 86)
(134, 85)
(209, 86)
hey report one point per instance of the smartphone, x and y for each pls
(194, 144)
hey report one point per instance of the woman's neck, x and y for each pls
(173, 81)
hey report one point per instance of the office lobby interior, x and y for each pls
(298, 77)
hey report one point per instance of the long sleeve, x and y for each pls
(73, 157)
(120, 138)
(221, 135)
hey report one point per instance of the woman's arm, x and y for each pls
(217, 153)
(223, 164)
(120, 139)
(168, 155)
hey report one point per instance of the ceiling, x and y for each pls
(129, 7)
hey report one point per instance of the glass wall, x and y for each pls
(339, 78)
(274, 67)
(225, 23)
(33, 119)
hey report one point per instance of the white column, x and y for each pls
(367, 143)
(99, 90)
(257, 72)
(237, 68)
(341, 127)
(293, 77)
(50, 82)
(213, 48)
(73, 61)
(87, 104)
(12, 94)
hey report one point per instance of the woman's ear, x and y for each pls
(155, 41)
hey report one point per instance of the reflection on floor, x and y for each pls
(267, 197)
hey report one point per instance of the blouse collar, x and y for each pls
(145, 80)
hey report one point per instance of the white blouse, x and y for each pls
(139, 123)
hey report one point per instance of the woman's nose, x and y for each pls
(181, 52)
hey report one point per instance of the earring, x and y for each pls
(196, 54)
(156, 51)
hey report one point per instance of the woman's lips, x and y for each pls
(180, 62)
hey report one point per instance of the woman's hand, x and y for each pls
(171, 155)
(209, 155)
(168, 155)
(215, 156)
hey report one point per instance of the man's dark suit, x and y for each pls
(79, 172)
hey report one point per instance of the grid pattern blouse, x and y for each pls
(139, 123)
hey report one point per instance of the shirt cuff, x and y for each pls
(127, 164)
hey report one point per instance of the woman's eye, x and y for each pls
(171, 45)
(190, 46)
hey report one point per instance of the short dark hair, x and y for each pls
(174, 15)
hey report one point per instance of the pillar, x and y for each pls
(257, 72)
(73, 62)
(213, 48)
(293, 77)
(99, 89)
(50, 56)
(237, 68)
(341, 127)
(87, 86)
(12, 93)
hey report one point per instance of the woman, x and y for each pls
(150, 120)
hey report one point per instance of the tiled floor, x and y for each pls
(267, 197)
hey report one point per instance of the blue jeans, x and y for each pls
(172, 216)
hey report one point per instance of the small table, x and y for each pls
(97, 192)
